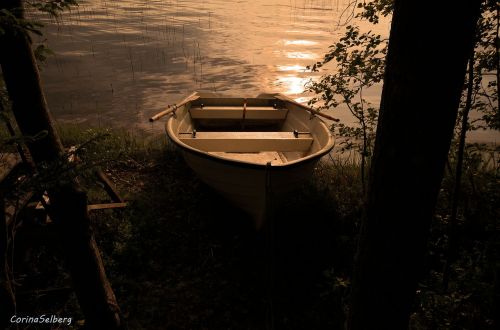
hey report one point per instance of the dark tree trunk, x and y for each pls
(68, 204)
(23, 84)
(429, 45)
(7, 300)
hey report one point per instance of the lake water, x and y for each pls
(116, 63)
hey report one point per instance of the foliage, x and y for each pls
(10, 21)
(14, 21)
(78, 161)
(58, 172)
(486, 68)
(41, 52)
(359, 61)
(372, 10)
(52, 7)
(481, 172)
(471, 300)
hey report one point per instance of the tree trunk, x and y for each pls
(23, 84)
(424, 77)
(68, 204)
(7, 300)
(452, 231)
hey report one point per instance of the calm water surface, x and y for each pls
(117, 63)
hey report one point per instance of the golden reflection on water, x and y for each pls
(122, 61)
(309, 32)
(296, 68)
(300, 42)
(292, 84)
(302, 55)
(297, 75)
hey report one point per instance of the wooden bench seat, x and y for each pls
(248, 141)
(236, 112)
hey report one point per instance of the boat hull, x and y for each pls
(248, 177)
(249, 187)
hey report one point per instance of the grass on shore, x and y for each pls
(181, 257)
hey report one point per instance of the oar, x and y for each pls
(173, 107)
(310, 109)
(321, 114)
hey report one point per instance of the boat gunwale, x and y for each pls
(318, 154)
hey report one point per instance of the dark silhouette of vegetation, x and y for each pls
(359, 64)
(479, 96)
(395, 230)
(68, 204)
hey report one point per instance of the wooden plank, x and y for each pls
(233, 101)
(262, 157)
(93, 207)
(235, 107)
(248, 141)
(236, 112)
(109, 187)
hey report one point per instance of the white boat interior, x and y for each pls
(262, 130)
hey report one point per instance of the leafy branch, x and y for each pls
(52, 7)
(359, 60)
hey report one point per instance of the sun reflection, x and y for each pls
(310, 32)
(291, 84)
(300, 42)
(296, 68)
(302, 55)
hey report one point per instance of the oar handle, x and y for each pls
(174, 107)
(165, 112)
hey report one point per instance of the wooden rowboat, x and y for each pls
(248, 148)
